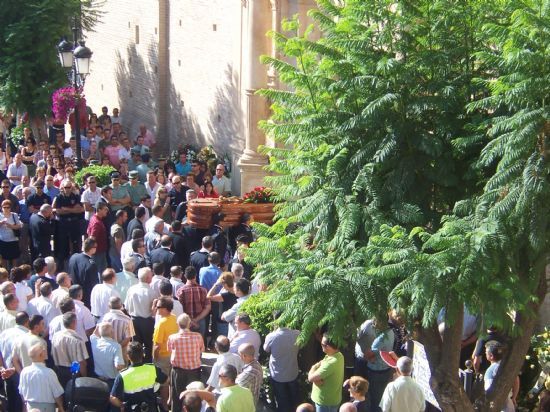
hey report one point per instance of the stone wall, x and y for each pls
(179, 67)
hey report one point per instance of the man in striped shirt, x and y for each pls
(186, 348)
(67, 347)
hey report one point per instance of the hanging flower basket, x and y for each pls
(64, 100)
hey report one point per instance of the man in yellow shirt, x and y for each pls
(166, 326)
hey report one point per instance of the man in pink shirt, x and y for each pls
(112, 152)
(149, 138)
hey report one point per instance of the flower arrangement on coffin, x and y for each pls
(64, 100)
(260, 194)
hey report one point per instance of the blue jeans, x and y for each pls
(286, 394)
(100, 260)
(326, 408)
(115, 262)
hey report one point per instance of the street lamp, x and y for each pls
(76, 57)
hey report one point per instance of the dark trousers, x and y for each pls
(287, 394)
(64, 375)
(15, 403)
(67, 239)
(378, 380)
(144, 328)
(179, 379)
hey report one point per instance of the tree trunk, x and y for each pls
(512, 363)
(444, 359)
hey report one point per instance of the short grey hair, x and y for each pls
(115, 302)
(405, 365)
(50, 263)
(237, 269)
(129, 263)
(105, 329)
(143, 273)
(229, 371)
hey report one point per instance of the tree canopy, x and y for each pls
(29, 33)
(412, 172)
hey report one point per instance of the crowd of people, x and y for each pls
(115, 279)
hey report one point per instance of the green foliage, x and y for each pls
(17, 136)
(412, 163)
(101, 173)
(260, 309)
(29, 33)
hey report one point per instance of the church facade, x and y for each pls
(189, 70)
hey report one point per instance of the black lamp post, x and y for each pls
(76, 57)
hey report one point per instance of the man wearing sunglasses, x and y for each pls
(68, 210)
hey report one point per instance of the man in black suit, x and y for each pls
(242, 229)
(137, 222)
(220, 238)
(41, 230)
(199, 258)
(179, 244)
(83, 269)
(164, 255)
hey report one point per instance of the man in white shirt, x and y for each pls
(126, 279)
(42, 305)
(139, 304)
(90, 197)
(403, 394)
(151, 185)
(85, 323)
(166, 290)
(39, 386)
(245, 334)
(158, 277)
(220, 182)
(64, 281)
(101, 293)
(175, 278)
(225, 358)
(16, 170)
(242, 289)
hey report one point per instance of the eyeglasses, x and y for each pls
(67, 187)
(324, 345)
(6, 207)
(5, 187)
(219, 170)
(91, 181)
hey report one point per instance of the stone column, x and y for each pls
(163, 138)
(255, 108)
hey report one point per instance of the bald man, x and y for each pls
(38, 385)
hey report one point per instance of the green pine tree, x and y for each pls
(412, 173)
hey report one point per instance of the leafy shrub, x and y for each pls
(101, 174)
(260, 311)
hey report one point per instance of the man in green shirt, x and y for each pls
(120, 196)
(327, 377)
(233, 398)
(135, 189)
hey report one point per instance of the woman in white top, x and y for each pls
(9, 242)
(22, 291)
